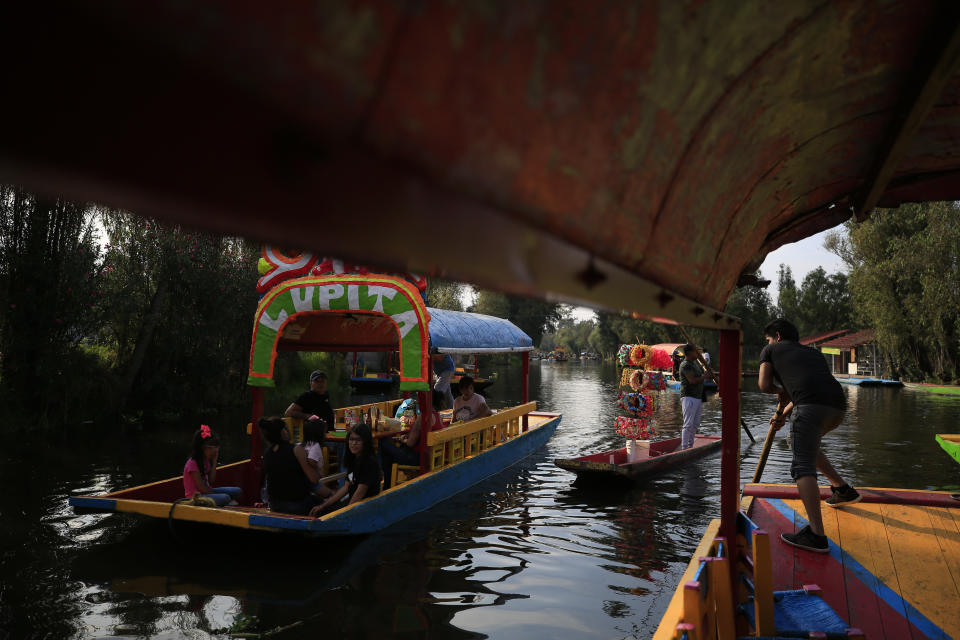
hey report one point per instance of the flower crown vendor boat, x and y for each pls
(643, 379)
(634, 461)
(369, 312)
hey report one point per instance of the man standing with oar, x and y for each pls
(805, 388)
(692, 377)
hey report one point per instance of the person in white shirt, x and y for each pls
(314, 434)
(469, 405)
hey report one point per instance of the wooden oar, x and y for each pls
(699, 351)
(763, 454)
(749, 435)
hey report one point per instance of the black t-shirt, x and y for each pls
(318, 404)
(285, 477)
(367, 472)
(804, 374)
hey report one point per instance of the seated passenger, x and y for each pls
(443, 370)
(289, 476)
(403, 450)
(200, 471)
(363, 474)
(314, 434)
(409, 403)
(313, 404)
(469, 405)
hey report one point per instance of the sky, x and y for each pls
(802, 257)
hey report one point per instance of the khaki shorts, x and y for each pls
(810, 423)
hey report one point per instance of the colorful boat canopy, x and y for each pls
(369, 313)
(299, 314)
(462, 332)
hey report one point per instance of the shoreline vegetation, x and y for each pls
(108, 316)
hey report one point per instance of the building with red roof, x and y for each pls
(853, 354)
(814, 341)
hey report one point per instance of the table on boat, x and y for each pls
(339, 432)
(340, 435)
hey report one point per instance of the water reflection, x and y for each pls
(523, 554)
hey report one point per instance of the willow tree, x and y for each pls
(905, 280)
(49, 269)
(181, 309)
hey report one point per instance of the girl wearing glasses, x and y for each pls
(363, 472)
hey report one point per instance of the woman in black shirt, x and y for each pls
(363, 472)
(289, 476)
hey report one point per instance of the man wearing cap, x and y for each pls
(314, 403)
(692, 377)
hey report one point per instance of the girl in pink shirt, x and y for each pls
(200, 471)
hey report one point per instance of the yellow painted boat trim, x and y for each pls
(182, 511)
(672, 616)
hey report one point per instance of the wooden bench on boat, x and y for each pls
(459, 441)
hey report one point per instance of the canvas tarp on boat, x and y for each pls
(466, 333)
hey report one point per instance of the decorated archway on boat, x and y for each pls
(333, 312)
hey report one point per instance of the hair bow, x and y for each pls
(205, 431)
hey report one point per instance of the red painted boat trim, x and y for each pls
(664, 456)
(884, 496)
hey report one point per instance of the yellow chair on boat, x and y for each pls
(437, 456)
(401, 473)
(473, 444)
(455, 451)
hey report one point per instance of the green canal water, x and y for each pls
(522, 555)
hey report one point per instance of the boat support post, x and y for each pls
(425, 400)
(256, 456)
(730, 350)
(525, 385)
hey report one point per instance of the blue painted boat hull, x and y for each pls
(419, 494)
(414, 496)
(870, 382)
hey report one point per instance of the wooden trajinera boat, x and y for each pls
(363, 313)
(750, 130)
(646, 458)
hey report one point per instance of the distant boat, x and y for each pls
(939, 389)
(709, 385)
(950, 443)
(869, 382)
(370, 372)
(675, 350)
(647, 458)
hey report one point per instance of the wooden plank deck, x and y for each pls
(893, 569)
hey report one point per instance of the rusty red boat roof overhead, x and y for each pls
(628, 155)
